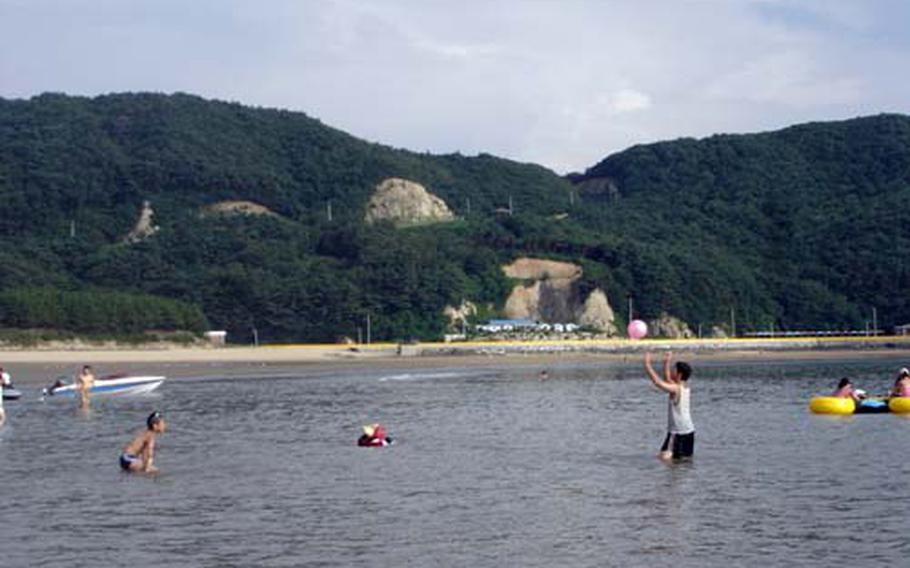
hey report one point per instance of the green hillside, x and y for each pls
(804, 227)
(74, 173)
(798, 228)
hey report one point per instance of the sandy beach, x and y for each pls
(34, 365)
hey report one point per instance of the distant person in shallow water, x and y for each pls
(902, 384)
(845, 389)
(139, 454)
(84, 383)
(374, 436)
(680, 440)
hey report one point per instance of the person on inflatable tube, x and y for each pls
(845, 389)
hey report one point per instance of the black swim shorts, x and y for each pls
(682, 445)
(126, 460)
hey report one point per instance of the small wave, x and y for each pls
(421, 376)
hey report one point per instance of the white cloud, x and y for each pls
(628, 100)
(559, 83)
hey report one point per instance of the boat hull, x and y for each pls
(11, 394)
(113, 387)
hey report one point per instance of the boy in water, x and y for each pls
(845, 389)
(84, 383)
(680, 440)
(139, 454)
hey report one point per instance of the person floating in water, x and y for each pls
(902, 384)
(374, 436)
(680, 440)
(139, 454)
(845, 389)
(84, 383)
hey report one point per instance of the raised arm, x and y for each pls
(663, 384)
(668, 355)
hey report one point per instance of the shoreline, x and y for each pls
(405, 354)
(37, 368)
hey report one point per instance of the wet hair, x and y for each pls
(154, 418)
(684, 370)
(843, 382)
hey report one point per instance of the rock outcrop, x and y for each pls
(144, 228)
(550, 293)
(458, 316)
(406, 203)
(669, 326)
(539, 269)
(228, 208)
(597, 313)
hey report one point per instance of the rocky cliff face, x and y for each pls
(669, 326)
(404, 203)
(597, 313)
(230, 208)
(550, 293)
(144, 228)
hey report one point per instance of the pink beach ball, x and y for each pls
(637, 329)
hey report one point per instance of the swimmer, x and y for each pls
(84, 383)
(901, 384)
(845, 389)
(139, 454)
(680, 440)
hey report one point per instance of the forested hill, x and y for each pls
(792, 229)
(805, 226)
(94, 160)
(75, 171)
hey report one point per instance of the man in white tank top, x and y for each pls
(680, 440)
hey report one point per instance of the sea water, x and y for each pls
(491, 466)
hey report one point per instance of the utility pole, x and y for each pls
(328, 210)
(733, 322)
(255, 337)
(467, 204)
(73, 229)
(629, 296)
(874, 321)
(510, 206)
(368, 329)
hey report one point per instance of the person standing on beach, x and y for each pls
(84, 383)
(139, 454)
(680, 440)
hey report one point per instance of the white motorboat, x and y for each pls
(113, 385)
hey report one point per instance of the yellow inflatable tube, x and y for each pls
(899, 404)
(833, 405)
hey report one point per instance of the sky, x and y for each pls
(562, 83)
